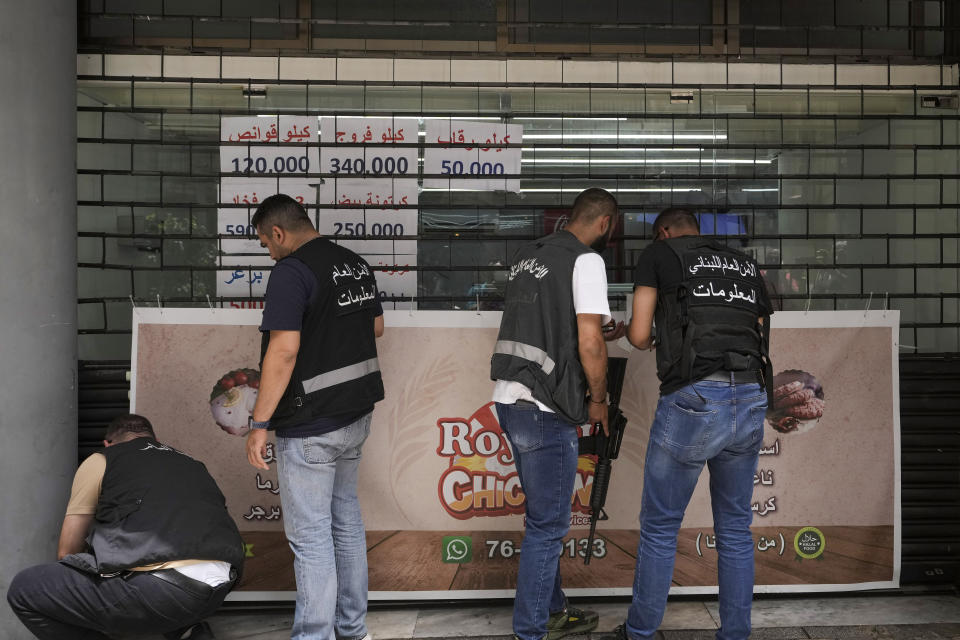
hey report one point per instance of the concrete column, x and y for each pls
(38, 275)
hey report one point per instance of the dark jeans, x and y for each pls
(57, 602)
(545, 449)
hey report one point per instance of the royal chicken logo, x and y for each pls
(482, 479)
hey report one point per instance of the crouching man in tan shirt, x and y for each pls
(147, 545)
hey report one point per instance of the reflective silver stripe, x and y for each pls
(339, 376)
(527, 352)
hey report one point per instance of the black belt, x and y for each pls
(188, 584)
(739, 377)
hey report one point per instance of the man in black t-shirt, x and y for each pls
(319, 381)
(711, 311)
(658, 268)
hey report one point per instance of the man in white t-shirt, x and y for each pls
(550, 367)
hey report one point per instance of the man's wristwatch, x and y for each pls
(259, 425)
(604, 401)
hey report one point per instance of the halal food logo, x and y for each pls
(457, 549)
(809, 543)
(481, 479)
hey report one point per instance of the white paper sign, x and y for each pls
(275, 145)
(378, 207)
(275, 129)
(257, 161)
(369, 192)
(369, 146)
(396, 282)
(472, 154)
(242, 283)
(363, 198)
(237, 279)
(252, 191)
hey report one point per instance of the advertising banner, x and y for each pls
(442, 502)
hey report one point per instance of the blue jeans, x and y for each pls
(726, 433)
(545, 452)
(323, 523)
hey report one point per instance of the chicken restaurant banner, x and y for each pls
(442, 503)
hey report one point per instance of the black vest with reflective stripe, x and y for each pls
(713, 312)
(337, 372)
(537, 345)
(158, 505)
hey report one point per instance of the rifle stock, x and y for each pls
(606, 448)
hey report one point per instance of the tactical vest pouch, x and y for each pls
(733, 361)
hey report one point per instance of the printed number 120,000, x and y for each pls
(289, 164)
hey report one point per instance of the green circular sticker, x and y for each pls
(809, 543)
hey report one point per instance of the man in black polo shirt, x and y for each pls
(320, 378)
(712, 321)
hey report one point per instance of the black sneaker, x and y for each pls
(199, 631)
(620, 632)
(571, 621)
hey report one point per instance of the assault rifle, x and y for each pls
(606, 448)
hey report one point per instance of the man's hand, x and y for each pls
(257, 448)
(378, 326)
(599, 413)
(614, 330)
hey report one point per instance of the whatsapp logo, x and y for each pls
(456, 549)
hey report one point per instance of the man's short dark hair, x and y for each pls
(676, 218)
(593, 203)
(281, 211)
(128, 425)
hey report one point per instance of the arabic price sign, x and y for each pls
(368, 146)
(368, 195)
(273, 149)
(242, 195)
(470, 155)
(269, 129)
(275, 145)
(377, 207)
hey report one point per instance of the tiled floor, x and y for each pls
(923, 616)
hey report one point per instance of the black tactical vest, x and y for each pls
(158, 505)
(538, 341)
(713, 313)
(337, 372)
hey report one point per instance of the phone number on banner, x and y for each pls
(572, 548)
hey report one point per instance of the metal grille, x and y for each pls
(846, 195)
(930, 469)
(904, 29)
